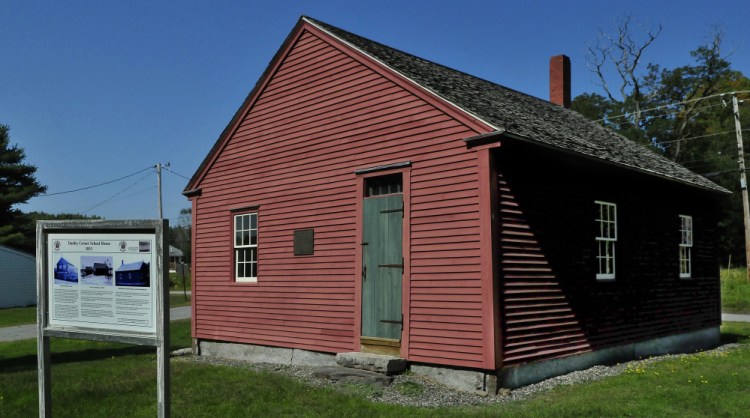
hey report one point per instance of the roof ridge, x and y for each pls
(539, 120)
(324, 24)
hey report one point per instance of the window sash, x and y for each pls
(606, 238)
(606, 259)
(246, 247)
(686, 246)
(685, 262)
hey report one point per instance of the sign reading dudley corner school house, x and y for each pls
(95, 281)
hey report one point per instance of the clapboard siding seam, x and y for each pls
(425, 131)
(305, 108)
(426, 123)
(416, 135)
(355, 86)
(335, 166)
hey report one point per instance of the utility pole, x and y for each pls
(743, 180)
(158, 183)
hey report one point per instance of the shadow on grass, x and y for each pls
(728, 338)
(29, 362)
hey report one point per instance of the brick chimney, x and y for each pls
(559, 80)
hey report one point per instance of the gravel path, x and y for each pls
(414, 390)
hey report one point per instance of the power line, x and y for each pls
(676, 103)
(176, 173)
(96, 185)
(718, 157)
(678, 111)
(696, 137)
(661, 114)
(117, 194)
(716, 173)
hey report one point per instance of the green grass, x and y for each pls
(735, 291)
(176, 282)
(98, 379)
(178, 300)
(17, 316)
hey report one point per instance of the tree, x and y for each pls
(677, 112)
(685, 87)
(180, 235)
(625, 53)
(17, 185)
(26, 226)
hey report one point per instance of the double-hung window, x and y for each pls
(606, 237)
(246, 247)
(686, 246)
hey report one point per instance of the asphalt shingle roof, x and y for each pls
(522, 115)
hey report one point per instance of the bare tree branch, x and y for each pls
(625, 53)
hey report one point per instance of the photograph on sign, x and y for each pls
(65, 272)
(102, 281)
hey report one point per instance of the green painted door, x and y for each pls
(382, 266)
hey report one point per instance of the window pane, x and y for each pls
(245, 236)
(238, 259)
(377, 186)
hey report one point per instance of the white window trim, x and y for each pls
(688, 246)
(613, 240)
(235, 247)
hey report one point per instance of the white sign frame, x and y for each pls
(83, 294)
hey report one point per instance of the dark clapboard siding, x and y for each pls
(322, 115)
(551, 304)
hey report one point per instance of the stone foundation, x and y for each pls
(481, 381)
(526, 374)
(265, 354)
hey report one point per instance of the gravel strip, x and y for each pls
(414, 390)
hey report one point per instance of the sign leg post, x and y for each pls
(43, 362)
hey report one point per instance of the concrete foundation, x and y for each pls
(482, 381)
(478, 381)
(264, 354)
(526, 374)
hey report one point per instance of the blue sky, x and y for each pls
(98, 90)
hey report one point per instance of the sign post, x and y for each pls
(103, 281)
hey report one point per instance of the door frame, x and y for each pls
(361, 175)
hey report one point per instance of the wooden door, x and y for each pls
(382, 266)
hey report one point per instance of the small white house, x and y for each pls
(17, 278)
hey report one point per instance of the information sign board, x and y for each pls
(102, 281)
(105, 281)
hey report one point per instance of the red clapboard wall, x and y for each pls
(552, 306)
(323, 111)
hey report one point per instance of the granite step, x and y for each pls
(378, 363)
(347, 375)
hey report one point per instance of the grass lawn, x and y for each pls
(97, 379)
(178, 300)
(22, 316)
(17, 316)
(176, 282)
(735, 291)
